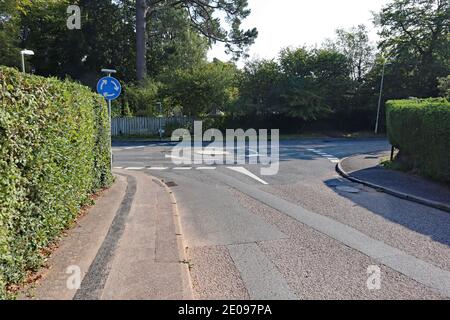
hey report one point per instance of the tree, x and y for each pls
(303, 84)
(444, 86)
(204, 89)
(415, 36)
(79, 54)
(106, 40)
(203, 17)
(355, 45)
(315, 82)
(173, 44)
(259, 87)
(9, 31)
(300, 96)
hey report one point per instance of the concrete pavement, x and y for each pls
(129, 246)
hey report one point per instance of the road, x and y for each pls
(299, 234)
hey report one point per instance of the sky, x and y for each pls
(293, 23)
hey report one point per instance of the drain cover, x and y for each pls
(171, 184)
(348, 189)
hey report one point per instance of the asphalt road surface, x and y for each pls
(304, 233)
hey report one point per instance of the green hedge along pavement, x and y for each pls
(54, 153)
(420, 129)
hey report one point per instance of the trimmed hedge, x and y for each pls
(420, 129)
(54, 153)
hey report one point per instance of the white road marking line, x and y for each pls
(157, 168)
(137, 147)
(212, 152)
(170, 156)
(118, 167)
(182, 168)
(330, 157)
(206, 168)
(134, 168)
(247, 173)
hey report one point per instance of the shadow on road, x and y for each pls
(418, 218)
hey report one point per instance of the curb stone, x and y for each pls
(179, 232)
(395, 193)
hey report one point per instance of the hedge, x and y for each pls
(420, 129)
(54, 153)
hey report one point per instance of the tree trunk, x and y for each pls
(141, 40)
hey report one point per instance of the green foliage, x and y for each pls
(204, 89)
(54, 152)
(79, 54)
(414, 36)
(172, 126)
(355, 45)
(173, 44)
(259, 85)
(444, 86)
(420, 129)
(9, 27)
(141, 100)
(304, 84)
(216, 21)
(173, 39)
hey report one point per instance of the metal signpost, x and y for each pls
(379, 98)
(110, 89)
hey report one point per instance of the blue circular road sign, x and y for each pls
(109, 88)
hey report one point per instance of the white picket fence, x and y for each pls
(144, 126)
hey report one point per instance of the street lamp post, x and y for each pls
(23, 54)
(380, 97)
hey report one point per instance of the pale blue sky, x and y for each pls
(283, 23)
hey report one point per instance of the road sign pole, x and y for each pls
(110, 131)
(110, 134)
(104, 87)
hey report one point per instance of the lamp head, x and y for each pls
(27, 52)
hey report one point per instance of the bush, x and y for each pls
(141, 101)
(420, 129)
(444, 86)
(54, 153)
